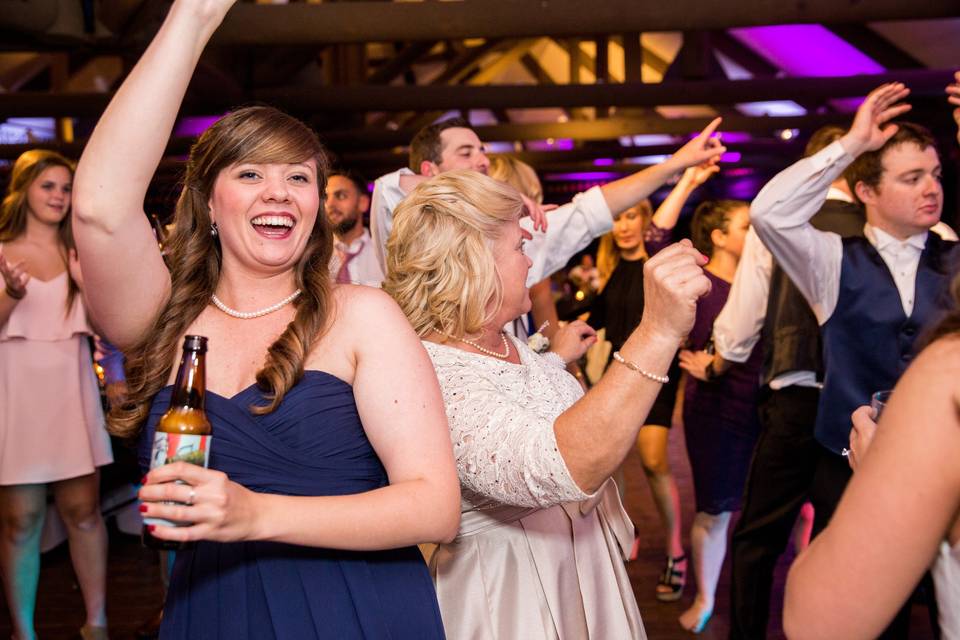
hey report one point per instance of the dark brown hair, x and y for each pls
(252, 134)
(426, 145)
(710, 215)
(13, 210)
(868, 168)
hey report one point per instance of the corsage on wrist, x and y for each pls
(538, 342)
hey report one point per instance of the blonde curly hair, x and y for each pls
(440, 264)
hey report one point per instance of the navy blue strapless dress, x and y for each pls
(312, 445)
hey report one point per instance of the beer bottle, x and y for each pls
(183, 432)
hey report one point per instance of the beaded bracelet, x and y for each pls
(635, 367)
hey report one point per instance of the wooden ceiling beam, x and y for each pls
(409, 21)
(308, 100)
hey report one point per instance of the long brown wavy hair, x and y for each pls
(260, 135)
(15, 207)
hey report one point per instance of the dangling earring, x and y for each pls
(213, 229)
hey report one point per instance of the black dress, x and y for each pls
(618, 308)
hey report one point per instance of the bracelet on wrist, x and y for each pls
(633, 366)
(14, 296)
(709, 373)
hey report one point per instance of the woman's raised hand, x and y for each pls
(215, 507)
(572, 340)
(15, 277)
(673, 282)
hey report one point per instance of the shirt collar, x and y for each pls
(882, 240)
(838, 194)
(356, 245)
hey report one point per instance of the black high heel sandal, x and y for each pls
(672, 578)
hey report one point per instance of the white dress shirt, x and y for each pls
(364, 268)
(737, 328)
(812, 258)
(570, 227)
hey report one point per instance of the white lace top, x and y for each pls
(501, 422)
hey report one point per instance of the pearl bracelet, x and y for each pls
(635, 367)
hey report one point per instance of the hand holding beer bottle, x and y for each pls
(183, 433)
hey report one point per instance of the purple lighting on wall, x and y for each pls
(603, 162)
(807, 50)
(734, 137)
(193, 126)
(730, 156)
(582, 176)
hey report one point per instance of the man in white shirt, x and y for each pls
(871, 296)
(763, 300)
(452, 145)
(354, 259)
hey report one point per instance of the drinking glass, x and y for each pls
(878, 401)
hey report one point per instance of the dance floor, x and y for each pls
(134, 589)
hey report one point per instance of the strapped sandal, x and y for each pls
(672, 578)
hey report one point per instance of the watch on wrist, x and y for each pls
(709, 373)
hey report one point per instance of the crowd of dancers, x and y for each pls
(371, 391)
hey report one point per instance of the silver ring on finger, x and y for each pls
(191, 497)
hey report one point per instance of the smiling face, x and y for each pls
(265, 213)
(908, 199)
(512, 266)
(48, 197)
(460, 149)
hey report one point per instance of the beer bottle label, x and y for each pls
(176, 447)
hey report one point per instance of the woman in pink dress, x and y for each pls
(51, 423)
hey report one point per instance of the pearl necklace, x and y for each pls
(484, 350)
(247, 315)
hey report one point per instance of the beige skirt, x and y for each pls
(515, 573)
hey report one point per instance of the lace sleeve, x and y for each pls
(503, 450)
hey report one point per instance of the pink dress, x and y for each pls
(51, 422)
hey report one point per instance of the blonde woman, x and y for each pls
(51, 425)
(543, 535)
(331, 457)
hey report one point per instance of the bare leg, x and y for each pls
(652, 444)
(708, 537)
(803, 528)
(78, 501)
(22, 509)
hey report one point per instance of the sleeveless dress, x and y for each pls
(51, 421)
(313, 444)
(720, 418)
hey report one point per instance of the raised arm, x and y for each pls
(596, 433)
(624, 193)
(666, 215)
(127, 281)
(953, 97)
(902, 502)
(782, 210)
(574, 225)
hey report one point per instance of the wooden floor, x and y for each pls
(134, 589)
